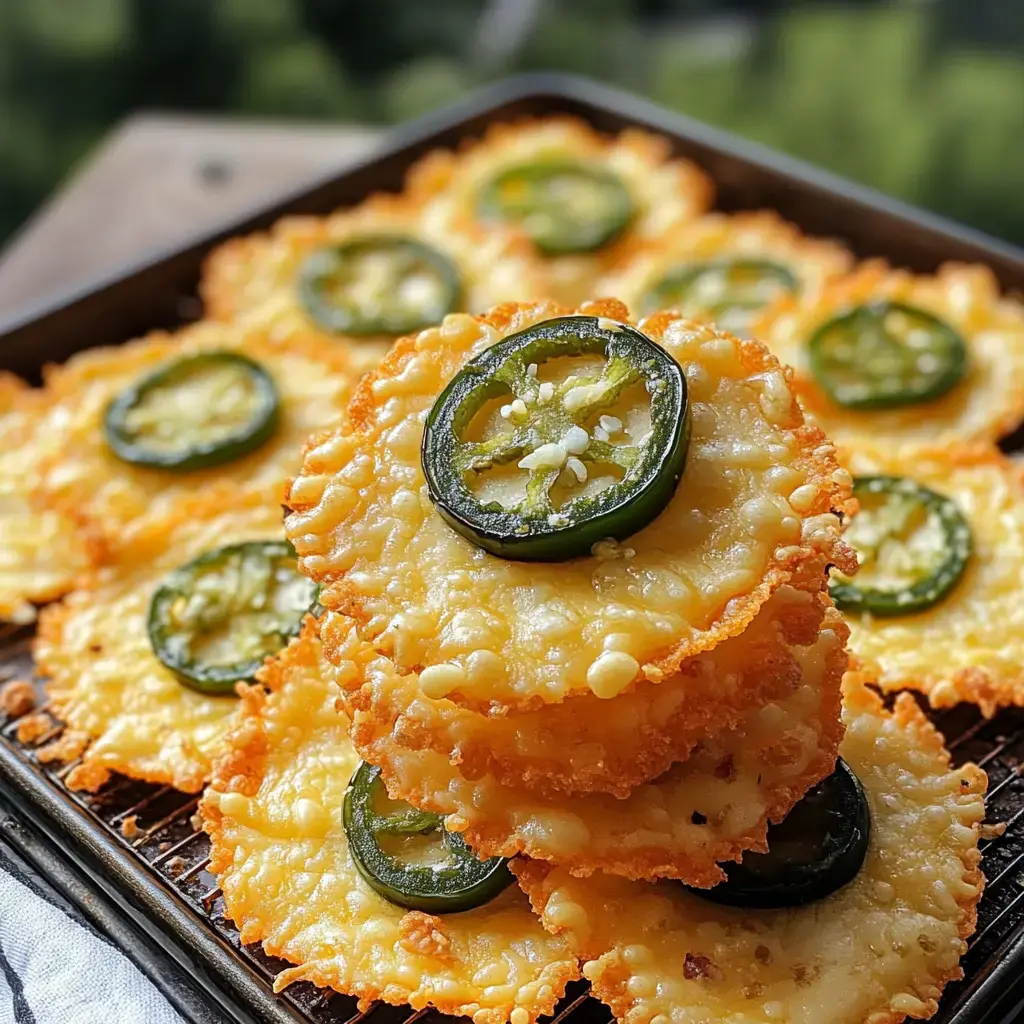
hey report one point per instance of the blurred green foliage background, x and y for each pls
(921, 98)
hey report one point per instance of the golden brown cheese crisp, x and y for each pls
(707, 809)
(754, 509)
(79, 473)
(718, 237)
(985, 405)
(665, 192)
(252, 280)
(969, 646)
(104, 679)
(274, 814)
(875, 952)
(42, 551)
(587, 743)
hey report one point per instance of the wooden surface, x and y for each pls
(158, 180)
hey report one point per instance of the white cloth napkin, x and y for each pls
(54, 971)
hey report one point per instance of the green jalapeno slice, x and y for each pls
(727, 291)
(565, 206)
(378, 284)
(816, 849)
(198, 411)
(409, 857)
(912, 546)
(214, 620)
(536, 469)
(886, 354)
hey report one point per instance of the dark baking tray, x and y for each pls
(151, 891)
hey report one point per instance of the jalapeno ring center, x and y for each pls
(886, 354)
(378, 284)
(576, 474)
(409, 857)
(214, 620)
(564, 205)
(727, 291)
(913, 546)
(198, 411)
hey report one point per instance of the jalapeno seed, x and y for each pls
(585, 475)
(198, 411)
(885, 355)
(564, 206)
(409, 857)
(815, 850)
(913, 545)
(378, 284)
(727, 291)
(214, 620)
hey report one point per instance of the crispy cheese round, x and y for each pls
(970, 645)
(878, 950)
(42, 551)
(79, 471)
(986, 404)
(253, 280)
(104, 679)
(279, 849)
(586, 743)
(664, 192)
(706, 809)
(718, 238)
(753, 510)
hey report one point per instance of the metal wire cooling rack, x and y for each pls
(154, 827)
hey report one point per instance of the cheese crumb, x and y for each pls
(611, 673)
(578, 469)
(547, 456)
(575, 440)
(611, 423)
(440, 680)
(545, 393)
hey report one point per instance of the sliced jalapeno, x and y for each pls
(912, 546)
(409, 857)
(886, 354)
(378, 284)
(198, 411)
(726, 291)
(575, 475)
(215, 619)
(564, 206)
(816, 849)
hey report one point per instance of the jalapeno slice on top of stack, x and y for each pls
(886, 354)
(816, 849)
(727, 291)
(565, 206)
(913, 545)
(378, 284)
(522, 453)
(215, 619)
(198, 411)
(409, 857)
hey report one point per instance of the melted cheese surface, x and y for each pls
(985, 405)
(252, 280)
(274, 813)
(708, 808)
(879, 949)
(752, 510)
(104, 679)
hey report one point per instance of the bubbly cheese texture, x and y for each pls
(586, 743)
(880, 949)
(704, 810)
(42, 552)
(77, 472)
(752, 511)
(969, 646)
(252, 280)
(758, 235)
(104, 679)
(986, 404)
(665, 193)
(274, 814)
